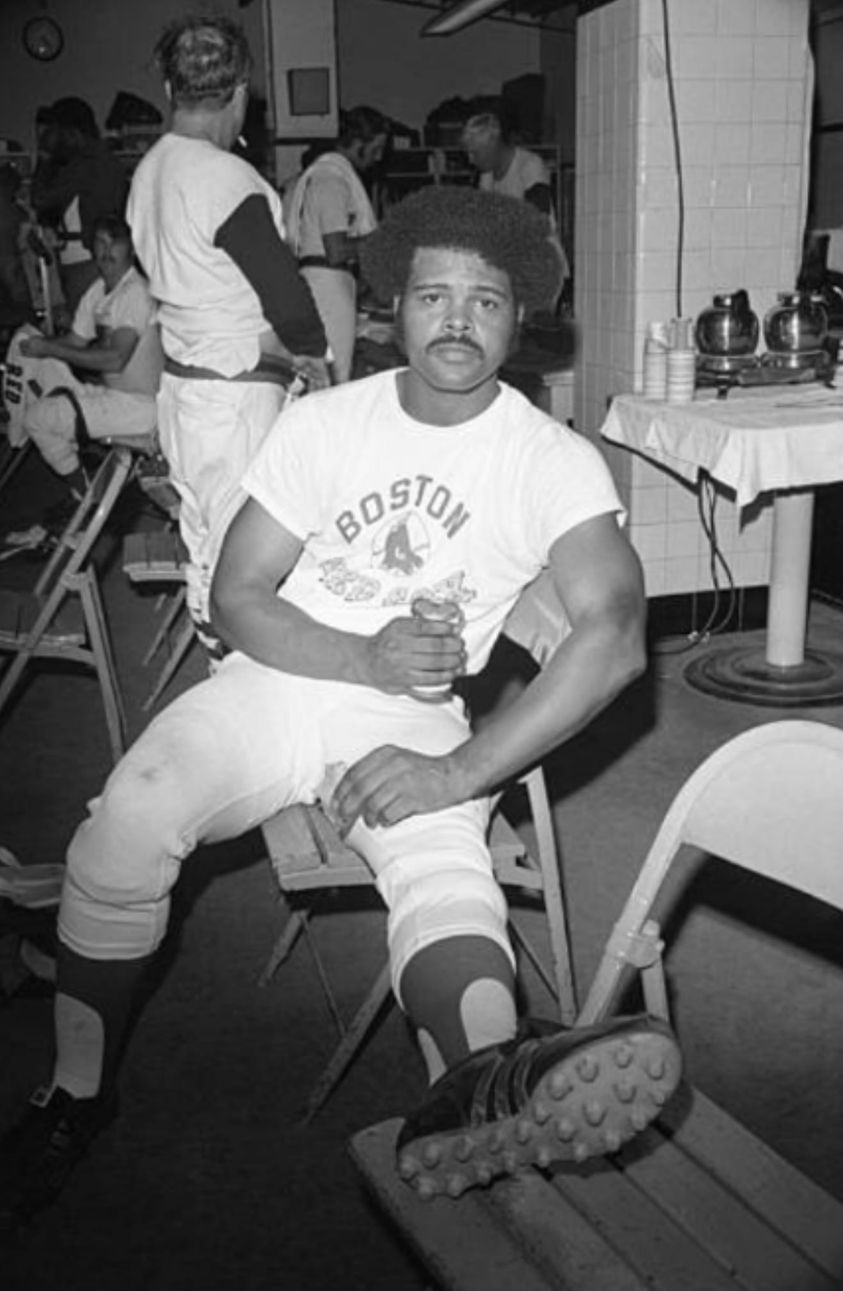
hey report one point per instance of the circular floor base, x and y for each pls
(743, 674)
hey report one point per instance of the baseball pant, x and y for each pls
(234, 750)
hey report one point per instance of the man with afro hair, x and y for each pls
(390, 525)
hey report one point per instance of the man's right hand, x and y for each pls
(414, 652)
(316, 372)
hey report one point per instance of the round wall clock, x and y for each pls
(43, 39)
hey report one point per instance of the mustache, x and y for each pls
(464, 342)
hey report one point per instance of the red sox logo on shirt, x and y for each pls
(400, 547)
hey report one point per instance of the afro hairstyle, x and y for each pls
(507, 233)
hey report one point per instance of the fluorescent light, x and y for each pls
(459, 16)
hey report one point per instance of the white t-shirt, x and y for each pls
(182, 192)
(525, 171)
(129, 304)
(389, 509)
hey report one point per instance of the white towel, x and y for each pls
(329, 163)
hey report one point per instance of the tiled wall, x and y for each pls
(743, 83)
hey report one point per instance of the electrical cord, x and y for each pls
(677, 151)
(715, 623)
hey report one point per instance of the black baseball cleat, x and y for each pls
(38, 1154)
(564, 1096)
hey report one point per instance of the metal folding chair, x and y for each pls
(63, 616)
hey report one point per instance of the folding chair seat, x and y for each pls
(308, 858)
(63, 616)
(697, 1201)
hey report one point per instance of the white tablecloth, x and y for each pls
(755, 441)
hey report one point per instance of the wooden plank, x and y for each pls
(557, 1238)
(635, 1226)
(465, 1245)
(719, 1221)
(804, 1213)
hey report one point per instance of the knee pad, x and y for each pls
(442, 905)
(121, 866)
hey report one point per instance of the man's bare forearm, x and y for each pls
(280, 635)
(596, 662)
(89, 358)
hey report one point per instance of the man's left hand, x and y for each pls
(389, 784)
(316, 371)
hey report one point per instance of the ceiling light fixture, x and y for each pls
(459, 16)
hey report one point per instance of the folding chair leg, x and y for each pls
(112, 699)
(354, 1037)
(286, 940)
(179, 651)
(167, 622)
(560, 943)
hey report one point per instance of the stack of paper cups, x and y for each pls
(655, 362)
(681, 375)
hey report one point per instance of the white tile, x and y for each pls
(654, 578)
(735, 17)
(698, 185)
(657, 186)
(766, 228)
(734, 61)
(761, 267)
(696, 58)
(728, 268)
(771, 57)
(681, 575)
(682, 503)
(797, 145)
(696, 273)
(685, 538)
(655, 146)
(698, 228)
(649, 541)
(657, 229)
(733, 101)
(729, 227)
(768, 143)
(695, 19)
(769, 101)
(732, 186)
(656, 271)
(697, 142)
(648, 506)
(695, 101)
(732, 144)
(766, 185)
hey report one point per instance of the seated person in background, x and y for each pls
(114, 342)
(327, 215)
(390, 524)
(505, 167)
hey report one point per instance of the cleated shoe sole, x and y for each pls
(569, 1097)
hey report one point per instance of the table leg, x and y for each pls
(787, 611)
(783, 674)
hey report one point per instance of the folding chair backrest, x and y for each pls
(769, 801)
(85, 526)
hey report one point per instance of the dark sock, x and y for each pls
(106, 988)
(461, 992)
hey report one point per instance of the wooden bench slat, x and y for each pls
(462, 1243)
(810, 1218)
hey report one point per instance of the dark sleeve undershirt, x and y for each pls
(250, 237)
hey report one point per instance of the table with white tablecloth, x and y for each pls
(781, 440)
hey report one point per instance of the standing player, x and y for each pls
(238, 322)
(331, 667)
